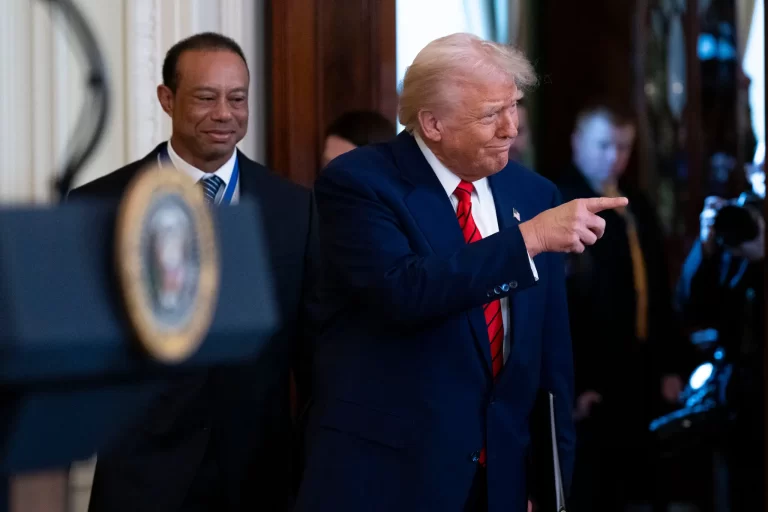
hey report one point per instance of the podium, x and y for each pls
(100, 300)
(71, 371)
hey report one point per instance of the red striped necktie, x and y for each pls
(492, 310)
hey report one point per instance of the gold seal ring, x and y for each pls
(167, 263)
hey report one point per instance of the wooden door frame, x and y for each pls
(298, 113)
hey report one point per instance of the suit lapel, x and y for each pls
(432, 210)
(427, 201)
(510, 203)
(249, 181)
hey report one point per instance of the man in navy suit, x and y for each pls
(442, 310)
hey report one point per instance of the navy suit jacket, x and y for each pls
(404, 394)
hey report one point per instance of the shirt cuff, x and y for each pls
(533, 268)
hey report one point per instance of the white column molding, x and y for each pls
(143, 66)
(232, 22)
(43, 37)
(252, 39)
(15, 101)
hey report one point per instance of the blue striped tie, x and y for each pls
(211, 185)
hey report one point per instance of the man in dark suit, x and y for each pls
(221, 440)
(621, 312)
(436, 327)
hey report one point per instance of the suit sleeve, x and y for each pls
(698, 290)
(557, 361)
(370, 254)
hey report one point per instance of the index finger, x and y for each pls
(598, 204)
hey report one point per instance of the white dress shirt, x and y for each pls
(483, 213)
(224, 172)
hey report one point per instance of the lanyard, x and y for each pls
(162, 157)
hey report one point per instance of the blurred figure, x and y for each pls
(722, 287)
(624, 337)
(355, 129)
(521, 148)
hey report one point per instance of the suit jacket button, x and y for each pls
(497, 290)
(513, 284)
(475, 456)
(505, 287)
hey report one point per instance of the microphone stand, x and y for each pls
(95, 111)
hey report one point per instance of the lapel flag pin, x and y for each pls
(516, 214)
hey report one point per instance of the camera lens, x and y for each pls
(735, 225)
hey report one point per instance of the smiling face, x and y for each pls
(209, 109)
(474, 130)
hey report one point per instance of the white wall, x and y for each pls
(421, 21)
(42, 82)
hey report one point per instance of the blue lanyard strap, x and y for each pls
(229, 193)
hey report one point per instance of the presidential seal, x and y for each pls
(167, 263)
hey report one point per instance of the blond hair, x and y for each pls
(455, 60)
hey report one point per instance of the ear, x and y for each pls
(165, 97)
(431, 127)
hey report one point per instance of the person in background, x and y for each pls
(441, 310)
(354, 129)
(223, 439)
(722, 287)
(626, 343)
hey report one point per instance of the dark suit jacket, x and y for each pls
(404, 391)
(228, 431)
(602, 302)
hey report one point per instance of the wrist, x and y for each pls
(531, 238)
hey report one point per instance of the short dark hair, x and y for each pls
(616, 112)
(210, 41)
(362, 127)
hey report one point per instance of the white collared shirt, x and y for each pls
(483, 213)
(224, 172)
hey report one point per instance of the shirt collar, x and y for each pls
(224, 172)
(447, 178)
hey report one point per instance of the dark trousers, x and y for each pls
(478, 493)
(614, 466)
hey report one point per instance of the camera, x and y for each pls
(705, 407)
(736, 221)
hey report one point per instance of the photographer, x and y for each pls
(721, 288)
